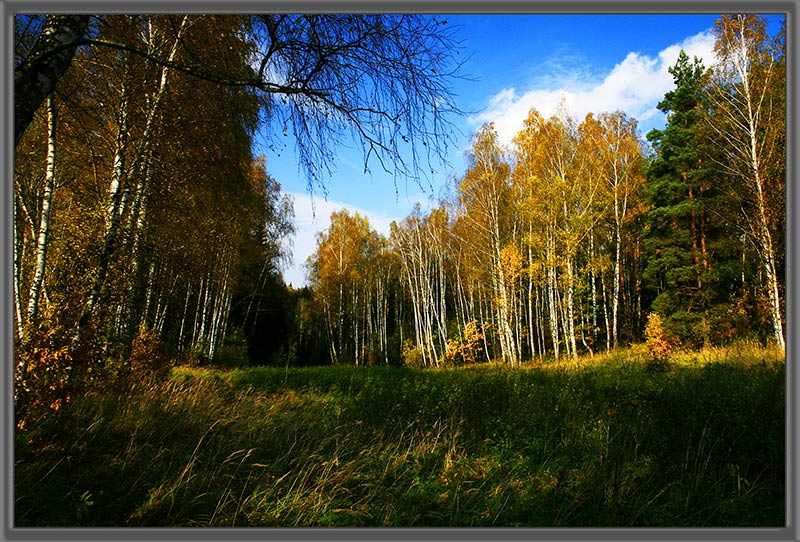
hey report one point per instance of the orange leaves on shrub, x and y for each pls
(660, 344)
(466, 349)
(147, 354)
(44, 384)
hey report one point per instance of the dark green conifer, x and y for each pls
(688, 243)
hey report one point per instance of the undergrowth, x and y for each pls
(610, 441)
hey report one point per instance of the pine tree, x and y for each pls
(688, 246)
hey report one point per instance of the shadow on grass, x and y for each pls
(613, 443)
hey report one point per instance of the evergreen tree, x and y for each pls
(689, 265)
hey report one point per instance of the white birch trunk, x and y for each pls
(551, 295)
(570, 308)
(121, 181)
(531, 338)
(605, 312)
(743, 111)
(18, 256)
(183, 318)
(44, 223)
(615, 299)
(593, 278)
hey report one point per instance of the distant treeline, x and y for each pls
(564, 243)
(146, 230)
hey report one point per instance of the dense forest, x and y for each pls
(147, 233)
(563, 244)
(587, 330)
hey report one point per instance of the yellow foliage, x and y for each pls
(659, 343)
(467, 349)
(44, 385)
(511, 262)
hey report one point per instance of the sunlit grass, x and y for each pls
(609, 440)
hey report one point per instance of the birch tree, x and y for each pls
(339, 272)
(558, 168)
(125, 170)
(617, 155)
(384, 81)
(747, 116)
(422, 243)
(539, 207)
(486, 192)
(42, 62)
(158, 205)
(32, 311)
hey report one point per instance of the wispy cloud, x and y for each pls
(312, 215)
(635, 85)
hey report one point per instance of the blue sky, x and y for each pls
(596, 63)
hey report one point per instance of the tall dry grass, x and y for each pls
(609, 441)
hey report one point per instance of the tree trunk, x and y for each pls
(570, 309)
(616, 293)
(19, 253)
(44, 223)
(551, 294)
(605, 311)
(120, 185)
(36, 77)
(739, 122)
(593, 278)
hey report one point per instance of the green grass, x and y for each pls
(609, 441)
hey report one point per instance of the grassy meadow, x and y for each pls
(613, 440)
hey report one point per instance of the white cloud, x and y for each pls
(312, 215)
(635, 85)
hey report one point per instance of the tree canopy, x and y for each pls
(384, 80)
(147, 231)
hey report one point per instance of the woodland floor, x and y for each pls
(609, 441)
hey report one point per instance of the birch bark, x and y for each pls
(743, 111)
(44, 223)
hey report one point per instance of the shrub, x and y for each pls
(468, 348)
(413, 356)
(193, 357)
(44, 386)
(660, 344)
(147, 354)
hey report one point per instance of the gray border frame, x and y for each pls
(9, 7)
